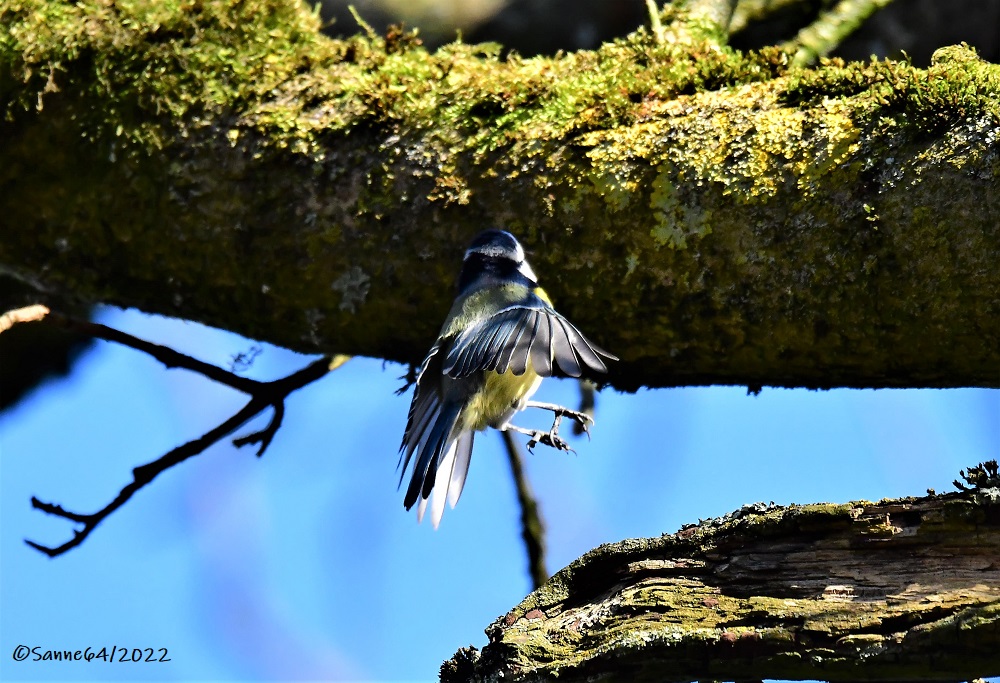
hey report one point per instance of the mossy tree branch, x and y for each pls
(707, 215)
(899, 590)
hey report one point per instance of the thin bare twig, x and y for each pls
(166, 355)
(28, 314)
(831, 28)
(750, 11)
(588, 402)
(141, 476)
(263, 395)
(700, 21)
(532, 527)
(654, 20)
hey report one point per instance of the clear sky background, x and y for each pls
(303, 565)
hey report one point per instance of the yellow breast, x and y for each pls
(501, 397)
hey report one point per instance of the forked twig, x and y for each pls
(263, 395)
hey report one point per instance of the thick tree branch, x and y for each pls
(896, 590)
(263, 395)
(708, 216)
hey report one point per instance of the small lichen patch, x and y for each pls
(353, 286)
(676, 220)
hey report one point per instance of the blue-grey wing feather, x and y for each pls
(425, 399)
(541, 348)
(522, 345)
(430, 450)
(562, 348)
(425, 412)
(507, 346)
(508, 339)
(481, 346)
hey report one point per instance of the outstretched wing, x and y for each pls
(513, 335)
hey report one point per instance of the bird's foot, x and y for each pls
(582, 419)
(550, 438)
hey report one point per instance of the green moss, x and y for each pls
(663, 607)
(235, 139)
(957, 85)
(152, 57)
(269, 65)
(146, 64)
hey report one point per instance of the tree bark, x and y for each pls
(709, 216)
(898, 590)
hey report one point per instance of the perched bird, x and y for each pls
(499, 340)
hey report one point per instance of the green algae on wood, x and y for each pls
(712, 216)
(879, 591)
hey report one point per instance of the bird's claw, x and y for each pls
(548, 439)
(579, 417)
(551, 438)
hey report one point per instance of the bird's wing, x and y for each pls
(424, 408)
(441, 456)
(513, 335)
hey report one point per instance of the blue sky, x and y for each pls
(303, 565)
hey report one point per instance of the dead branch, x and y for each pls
(903, 589)
(263, 395)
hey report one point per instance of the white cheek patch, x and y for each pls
(527, 272)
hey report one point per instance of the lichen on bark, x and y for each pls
(896, 590)
(709, 215)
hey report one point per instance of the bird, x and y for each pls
(501, 337)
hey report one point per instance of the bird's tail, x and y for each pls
(441, 464)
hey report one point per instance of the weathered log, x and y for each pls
(904, 589)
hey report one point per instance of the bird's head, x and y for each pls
(498, 255)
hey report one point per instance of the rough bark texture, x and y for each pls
(709, 216)
(897, 590)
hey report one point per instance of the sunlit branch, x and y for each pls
(831, 28)
(28, 314)
(718, 12)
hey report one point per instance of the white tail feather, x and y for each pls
(449, 480)
(421, 506)
(442, 479)
(461, 468)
